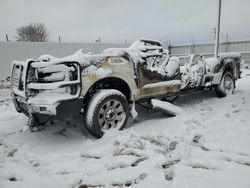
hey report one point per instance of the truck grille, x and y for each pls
(46, 82)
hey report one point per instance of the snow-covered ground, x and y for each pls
(208, 145)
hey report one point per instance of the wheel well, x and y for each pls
(229, 69)
(109, 83)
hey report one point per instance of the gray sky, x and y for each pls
(180, 21)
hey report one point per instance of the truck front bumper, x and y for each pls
(37, 89)
(43, 112)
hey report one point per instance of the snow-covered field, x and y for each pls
(208, 145)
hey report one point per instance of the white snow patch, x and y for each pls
(133, 111)
(209, 149)
(163, 84)
(166, 106)
(46, 58)
(99, 72)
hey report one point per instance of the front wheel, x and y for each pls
(226, 86)
(108, 109)
(32, 122)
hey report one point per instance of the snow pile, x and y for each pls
(163, 84)
(184, 76)
(155, 57)
(46, 58)
(172, 66)
(114, 51)
(135, 53)
(54, 96)
(192, 70)
(101, 72)
(196, 74)
(5, 96)
(134, 158)
(139, 51)
(4, 84)
(167, 66)
(166, 107)
(210, 148)
(133, 111)
(83, 59)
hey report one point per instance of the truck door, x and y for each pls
(158, 74)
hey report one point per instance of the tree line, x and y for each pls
(33, 32)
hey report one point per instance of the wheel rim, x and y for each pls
(228, 84)
(111, 115)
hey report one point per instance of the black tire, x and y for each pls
(226, 86)
(106, 109)
(33, 123)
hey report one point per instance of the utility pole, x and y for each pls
(98, 40)
(7, 38)
(217, 41)
(169, 46)
(227, 43)
(214, 33)
(226, 37)
(126, 41)
(59, 39)
(193, 46)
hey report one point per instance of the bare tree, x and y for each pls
(34, 32)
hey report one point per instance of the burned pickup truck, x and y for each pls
(104, 88)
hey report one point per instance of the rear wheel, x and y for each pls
(108, 109)
(226, 86)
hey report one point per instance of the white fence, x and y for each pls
(10, 51)
(240, 46)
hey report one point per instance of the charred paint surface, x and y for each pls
(159, 91)
(119, 68)
(150, 77)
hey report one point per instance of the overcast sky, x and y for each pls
(180, 21)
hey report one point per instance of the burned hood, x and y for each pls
(84, 59)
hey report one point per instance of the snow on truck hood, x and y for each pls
(83, 59)
(46, 58)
